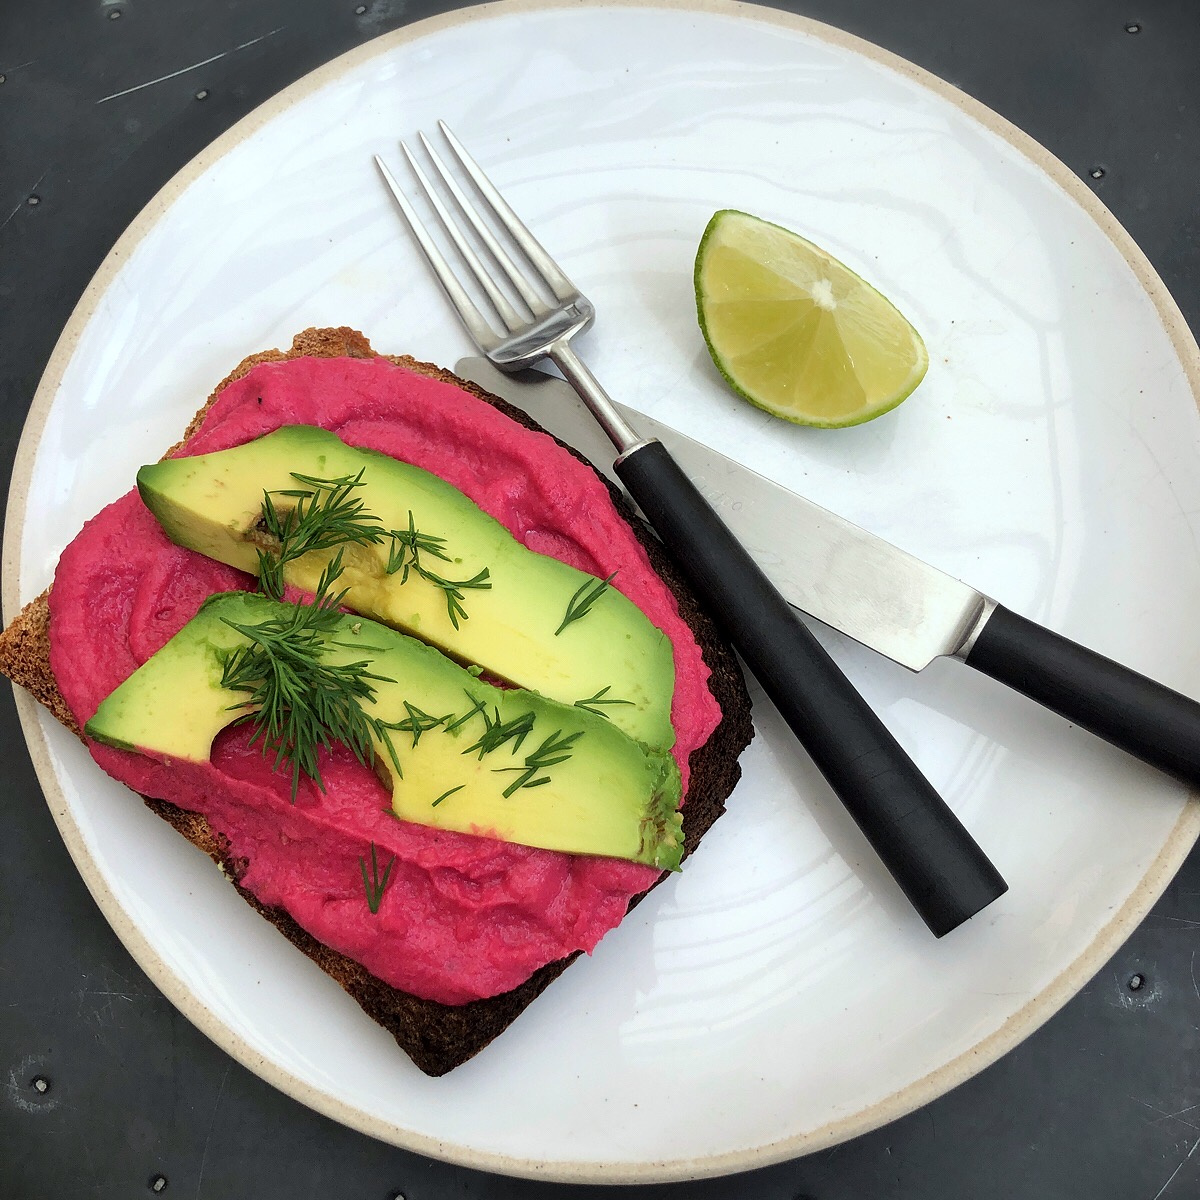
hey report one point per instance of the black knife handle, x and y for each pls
(939, 866)
(1157, 725)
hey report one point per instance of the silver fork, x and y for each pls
(934, 859)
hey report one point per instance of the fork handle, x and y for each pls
(936, 862)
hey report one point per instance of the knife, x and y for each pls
(885, 598)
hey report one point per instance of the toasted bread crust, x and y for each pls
(25, 658)
(437, 1037)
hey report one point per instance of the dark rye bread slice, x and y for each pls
(437, 1037)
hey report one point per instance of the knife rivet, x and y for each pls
(1137, 982)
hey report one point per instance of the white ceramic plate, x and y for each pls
(780, 995)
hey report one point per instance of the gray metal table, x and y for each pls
(1103, 1101)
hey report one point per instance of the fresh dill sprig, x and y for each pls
(555, 749)
(477, 706)
(449, 793)
(581, 603)
(453, 589)
(496, 732)
(592, 703)
(405, 556)
(296, 701)
(375, 885)
(407, 546)
(327, 513)
(418, 722)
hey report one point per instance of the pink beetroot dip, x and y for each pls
(463, 917)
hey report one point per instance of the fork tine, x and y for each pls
(509, 315)
(558, 283)
(470, 315)
(515, 275)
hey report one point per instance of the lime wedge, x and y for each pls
(797, 332)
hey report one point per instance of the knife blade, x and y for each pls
(883, 597)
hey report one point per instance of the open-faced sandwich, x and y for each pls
(407, 668)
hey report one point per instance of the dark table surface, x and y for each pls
(1103, 1101)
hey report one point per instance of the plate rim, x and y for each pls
(891, 1107)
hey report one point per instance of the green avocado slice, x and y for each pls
(592, 789)
(514, 626)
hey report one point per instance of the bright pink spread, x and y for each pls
(462, 917)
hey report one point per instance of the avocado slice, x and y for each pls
(592, 789)
(513, 627)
